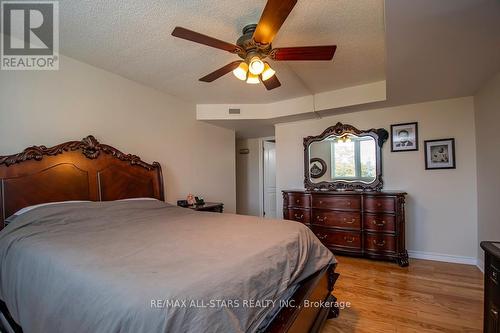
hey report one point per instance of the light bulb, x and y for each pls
(345, 139)
(241, 71)
(256, 65)
(252, 78)
(268, 72)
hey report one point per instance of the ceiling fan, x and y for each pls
(255, 45)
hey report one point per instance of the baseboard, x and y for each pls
(443, 257)
(480, 265)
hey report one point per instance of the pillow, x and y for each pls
(27, 209)
(136, 199)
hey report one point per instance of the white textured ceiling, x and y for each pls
(436, 49)
(439, 49)
(132, 38)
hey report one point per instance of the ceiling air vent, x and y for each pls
(234, 111)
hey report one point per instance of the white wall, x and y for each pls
(40, 107)
(248, 174)
(487, 107)
(441, 204)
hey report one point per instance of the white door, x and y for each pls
(270, 180)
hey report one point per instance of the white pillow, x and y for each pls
(136, 199)
(27, 209)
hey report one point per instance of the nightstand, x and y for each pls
(216, 207)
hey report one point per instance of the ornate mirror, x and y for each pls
(344, 158)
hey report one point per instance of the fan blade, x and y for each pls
(271, 83)
(304, 53)
(196, 37)
(221, 72)
(271, 20)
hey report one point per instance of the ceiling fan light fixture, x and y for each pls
(268, 72)
(256, 66)
(255, 45)
(241, 71)
(253, 79)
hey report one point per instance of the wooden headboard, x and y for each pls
(75, 170)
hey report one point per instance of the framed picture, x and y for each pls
(317, 167)
(404, 137)
(440, 154)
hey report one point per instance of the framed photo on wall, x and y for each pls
(440, 154)
(404, 137)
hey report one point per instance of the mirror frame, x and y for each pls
(380, 135)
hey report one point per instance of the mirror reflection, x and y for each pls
(348, 157)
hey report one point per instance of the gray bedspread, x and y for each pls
(146, 266)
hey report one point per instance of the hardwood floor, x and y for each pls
(427, 296)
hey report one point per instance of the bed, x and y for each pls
(109, 255)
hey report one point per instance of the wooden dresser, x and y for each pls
(368, 224)
(491, 286)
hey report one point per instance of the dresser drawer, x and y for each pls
(492, 283)
(380, 222)
(376, 204)
(492, 320)
(340, 239)
(336, 202)
(494, 274)
(298, 200)
(299, 215)
(382, 243)
(330, 218)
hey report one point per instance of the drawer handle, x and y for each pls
(379, 204)
(379, 244)
(320, 202)
(349, 203)
(297, 201)
(349, 222)
(494, 275)
(322, 237)
(299, 217)
(381, 224)
(349, 240)
(319, 219)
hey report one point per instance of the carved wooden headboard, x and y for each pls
(75, 170)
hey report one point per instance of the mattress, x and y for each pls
(147, 266)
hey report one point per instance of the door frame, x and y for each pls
(261, 173)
